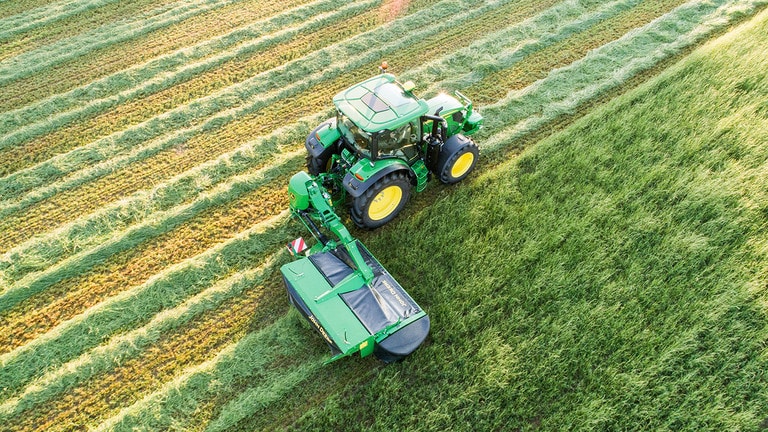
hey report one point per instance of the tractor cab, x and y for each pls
(380, 118)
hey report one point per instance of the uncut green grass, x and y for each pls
(611, 278)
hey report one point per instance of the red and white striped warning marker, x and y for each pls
(297, 246)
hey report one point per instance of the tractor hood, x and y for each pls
(379, 103)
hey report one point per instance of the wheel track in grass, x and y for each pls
(500, 131)
(105, 60)
(72, 296)
(144, 107)
(539, 64)
(59, 26)
(199, 148)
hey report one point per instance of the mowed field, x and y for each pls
(604, 268)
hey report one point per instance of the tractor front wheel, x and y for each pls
(382, 201)
(457, 159)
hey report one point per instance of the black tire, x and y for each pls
(368, 211)
(319, 165)
(457, 159)
(322, 162)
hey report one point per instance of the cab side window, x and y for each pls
(392, 143)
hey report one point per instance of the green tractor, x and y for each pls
(384, 141)
(381, 143)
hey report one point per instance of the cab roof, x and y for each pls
(379, 103)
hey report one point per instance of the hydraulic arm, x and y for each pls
(310, 202)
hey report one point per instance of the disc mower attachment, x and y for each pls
(379, 317)
(342, 290)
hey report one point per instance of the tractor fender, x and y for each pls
(356, 187)
(452, 145)
(319, 142)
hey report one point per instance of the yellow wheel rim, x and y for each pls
(385, 202)
(462, 165)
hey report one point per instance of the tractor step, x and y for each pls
(422, 175)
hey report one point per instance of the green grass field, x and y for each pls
(604, 268)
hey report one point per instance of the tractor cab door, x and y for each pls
(400, 143)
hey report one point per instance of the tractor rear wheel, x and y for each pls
(322, 162)
(457, 159)
(319, 165)
(382, 201)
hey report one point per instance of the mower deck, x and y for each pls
(379, 317)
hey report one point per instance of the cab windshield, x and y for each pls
(354, 135)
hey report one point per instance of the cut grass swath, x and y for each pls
(512, 45)
(43, 15)
(537, 66)
(491, 340)
(559, 12)
(147, 78)
(63, 27)
(85, 283)
(258, 357)
(10, 8)
(27, 63)
(112, 222)
(149, 228)
(192, 342)
(137, 305)
(120, 349)
(613, 259)
(108, 59)
(193, 80)
(565, 89)
(116, 184)
(689, 347)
